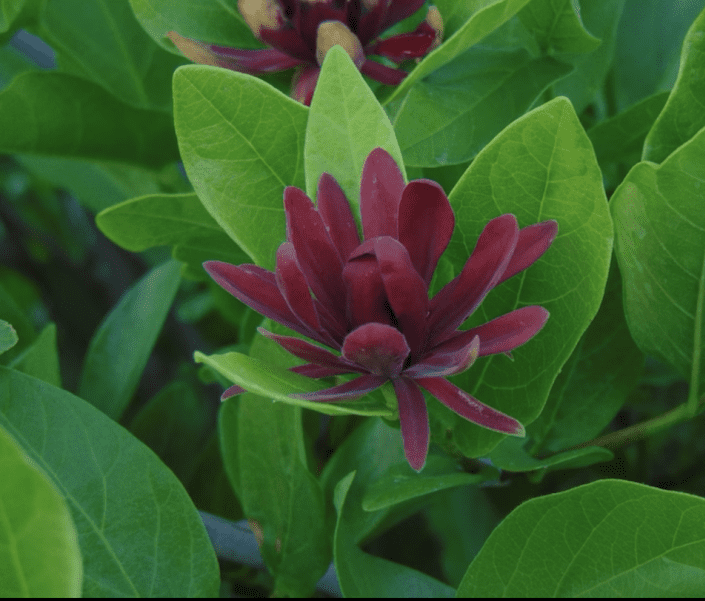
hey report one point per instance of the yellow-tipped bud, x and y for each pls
(335, 33)
(195, 51)
(261, 14)
(434, 19)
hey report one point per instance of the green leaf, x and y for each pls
(606, 539)
(242, 143)
(111, 481)
(540, 167)
(271, 381)
(345, 124)
(622, 137)
(364, 575)
(510, 455)
(213, 21)
(9, 10)
(683, 114)
(63, 115)
(41, 358)
(660, 247)
(17, 297)
(8, 336)
(557, 26)
(595, 382)
(400, 483)
(123, 342)
(482, 22)
(39, 551)
(601, 17)
(101, 41)
(452, 114)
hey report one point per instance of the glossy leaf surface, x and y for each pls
(108, 478)
(41, 358)
(557, 26)
(8, 336)
(509, 455)
(609, 538)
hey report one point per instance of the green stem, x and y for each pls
(682, 413)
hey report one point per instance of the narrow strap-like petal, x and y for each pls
(366, 295)
(413, 418)
(232, 391)
(534, 240)
(468, 407)
(383, 74)
(346, 391)
(426, 223)
(370, 24)
(404, 46)
(315, 252)
(310, 352)
(445, 361)
(311, 370)
(289, 41)
(503, 334)
(380, 193)
(304, 83)
(335, 212)
(460, 297)
(399, 10)
(256, 287)
(407, 293)
(378, 348)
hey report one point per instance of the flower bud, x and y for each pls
(434, 19)
(261, 14)
(198, 52)
(336, 33)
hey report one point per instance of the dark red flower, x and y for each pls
(300, 33)
(369, 300)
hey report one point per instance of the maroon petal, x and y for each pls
(370, 24)
(232, 391)
(337, 217)
(380, 193)
(378, 348)
(534, 240)
(346, 391)
(315, 252)
(470, 408)
(406, 291)
(312, 14)
(256, 287)
(288, 41)
(311, 370)
(413, 418)
(444, 361)
(405, 45)
(426, 223)
(382, 73)
(310, 352)
(304, 84)
(503, 334)
(400, 10)
(459, 298)
(366, 295)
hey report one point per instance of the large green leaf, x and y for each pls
(123, 342)
(9, 10)
(684, 113)
(39, 551)
(603, 369)
(41, 358)
(364, 575)
(212, 21)
(345, 124)
(139, 533)
(242, 143)
(557, 26)
(63, 115)
(660, 246)
(487, 17)
(102, 41)
(451, 115)
(8, 336)
(606, 539)
(540, 167)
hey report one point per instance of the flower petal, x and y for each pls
(399, 10)
(337, 217)
(311, 370)
(370, 24)
(459, 298)
(315, 252)
(446, 361)
(413, 418)
(534, 240)
(304, 84)
(346, 391)
(383, 74)
(503, 334)
(310, 352)
(470, 408)
(290, 42)
(380, 193)
(378, 348)
(406, 291)
(256, 287)
(404, 46)
(426, 223)
(366, 295)
(232, 391)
